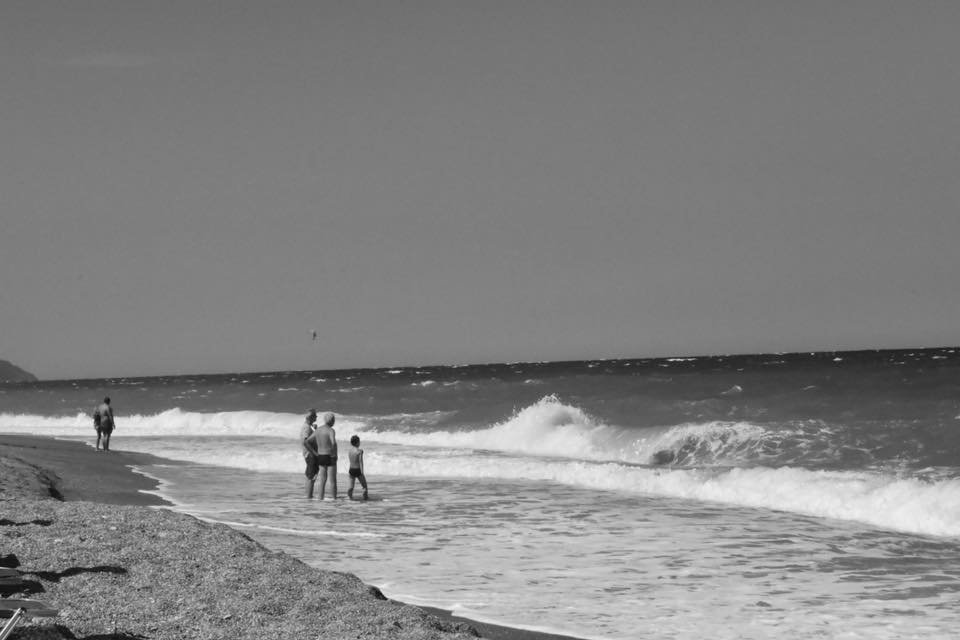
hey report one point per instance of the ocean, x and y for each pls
(802, 496)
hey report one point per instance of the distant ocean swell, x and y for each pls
(781, 466)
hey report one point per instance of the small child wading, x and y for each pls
(356, 467)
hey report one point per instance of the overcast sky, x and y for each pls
(196, 186)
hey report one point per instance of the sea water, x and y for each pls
(782, 495)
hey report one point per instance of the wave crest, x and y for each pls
(546, 428)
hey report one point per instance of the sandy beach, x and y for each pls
(91, 543)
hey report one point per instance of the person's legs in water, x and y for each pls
(311, 473)
(323, 480)
(356, 474)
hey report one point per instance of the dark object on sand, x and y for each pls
(16, 610)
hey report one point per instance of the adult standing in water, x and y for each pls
(103, 420)
(324, 442)
(309, 451)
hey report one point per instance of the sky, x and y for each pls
(196, 187)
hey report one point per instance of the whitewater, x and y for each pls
(798, 495)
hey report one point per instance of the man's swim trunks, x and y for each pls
(355, 472)
(324, 460)
(313, 466)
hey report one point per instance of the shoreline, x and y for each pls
(80, 472)
(67, 472)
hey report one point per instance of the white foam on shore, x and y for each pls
(920, 506)
(163, 486)
(470, 612)
(327, 533)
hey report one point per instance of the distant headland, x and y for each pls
(12, 373)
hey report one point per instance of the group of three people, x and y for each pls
(319, 444)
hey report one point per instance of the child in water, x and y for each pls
(356, 467)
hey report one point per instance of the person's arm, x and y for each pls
(333, 443)
(360, 460)
(306, 443)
